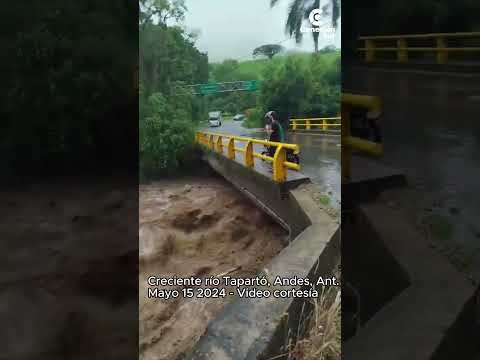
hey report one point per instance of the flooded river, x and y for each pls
(195, 227)
(68, 285)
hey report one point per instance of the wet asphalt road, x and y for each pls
(431, 132)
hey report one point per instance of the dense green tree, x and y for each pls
(166, 134)
(269, 50)
(285, 89)
(161, 11)
(299, 86)
(168, 54)
(67, 69)
(168, 59)
(225, 71)
(329, 49)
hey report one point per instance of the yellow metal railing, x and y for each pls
(400, 44)
(280, 165)
(318, 123)
(374, 110)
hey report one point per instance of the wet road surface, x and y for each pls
(431, 132)
(319, 156)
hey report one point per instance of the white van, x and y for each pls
(215, 118)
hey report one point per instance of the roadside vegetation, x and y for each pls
(323, 338)
(61, 90)
(168, 114)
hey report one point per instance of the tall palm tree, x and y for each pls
(299, 12)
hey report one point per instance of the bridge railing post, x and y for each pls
(279, 170)
(307, 127)
(402, 52)
(211, 143)
(294, 127)
(249, 161)
(324, 124)
(231, 149)
(220, 144)
(370, 50)
(442, 54)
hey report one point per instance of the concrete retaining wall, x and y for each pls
(264, 191)
(423, 302)
(258, 328)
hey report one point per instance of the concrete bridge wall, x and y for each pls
(258, 328)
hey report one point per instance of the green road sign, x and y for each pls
(251, 85)
(206, 89)
(213, 88)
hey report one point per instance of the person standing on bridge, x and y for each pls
(276, 131)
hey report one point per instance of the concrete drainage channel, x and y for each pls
(258, 328)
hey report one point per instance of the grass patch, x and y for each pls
(258, 66)
(440, 227)
(325, 200)
(323, 336)
(323, 340)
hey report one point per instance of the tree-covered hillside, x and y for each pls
(301, 85)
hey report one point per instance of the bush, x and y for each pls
(302, 88)
(286, 89)
(166, 136)
(254, 118)
(66, 88)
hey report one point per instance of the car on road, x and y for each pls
(239, 117)
(215, 118)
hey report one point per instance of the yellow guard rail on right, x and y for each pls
(400, 45)
(321, 123)
(214, 142)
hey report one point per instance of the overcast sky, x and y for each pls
(231, 29)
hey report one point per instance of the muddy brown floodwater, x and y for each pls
(68, 281)
(195, 227)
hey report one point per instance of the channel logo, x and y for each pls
(315, 16)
